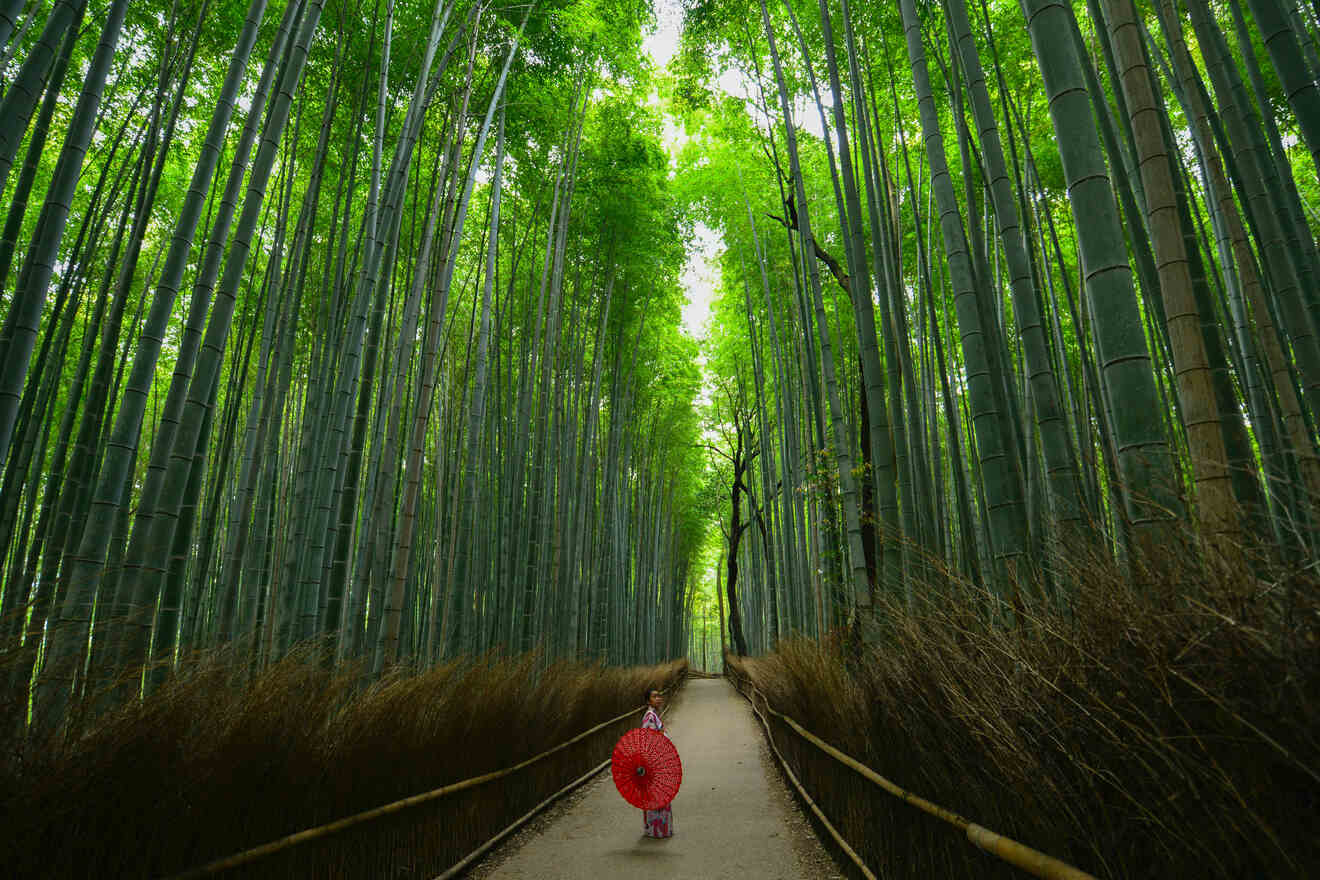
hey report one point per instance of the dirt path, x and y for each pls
(733, 817)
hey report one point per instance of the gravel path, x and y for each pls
(733, 818)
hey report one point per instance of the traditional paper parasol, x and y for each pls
(646, 768)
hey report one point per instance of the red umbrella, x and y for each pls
(646, 768)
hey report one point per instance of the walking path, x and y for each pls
(733, 818)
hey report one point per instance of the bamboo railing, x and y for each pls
(1008, 850)
(413, 836)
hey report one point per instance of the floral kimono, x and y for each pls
(656, 823)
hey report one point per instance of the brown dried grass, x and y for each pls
(214, 763)
(1133, 735)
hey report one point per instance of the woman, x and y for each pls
(656, 823)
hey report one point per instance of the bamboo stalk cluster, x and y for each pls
(1091, 329)
(322, 323)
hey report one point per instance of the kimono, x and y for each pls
(656, 823)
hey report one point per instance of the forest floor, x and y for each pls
(733, 818)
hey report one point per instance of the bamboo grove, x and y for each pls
(346, 321)
(1010, 290)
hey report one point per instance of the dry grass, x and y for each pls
(1133, 736)
(213, 764)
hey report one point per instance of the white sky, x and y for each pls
(701, 271)
(699, 276)
(662, 43)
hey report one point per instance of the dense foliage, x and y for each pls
(1014, 374)
(357, 325)
(986, 305)
(337, 321)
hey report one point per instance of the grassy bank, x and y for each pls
(213, 764)
(1133, 736)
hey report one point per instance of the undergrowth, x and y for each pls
(1133, 732)
(214, 763)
